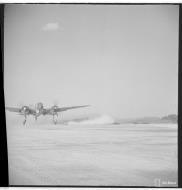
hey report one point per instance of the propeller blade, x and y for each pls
(55, 103)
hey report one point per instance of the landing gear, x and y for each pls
(55, 119)
(25, 120)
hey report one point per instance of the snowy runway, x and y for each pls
(117, 155)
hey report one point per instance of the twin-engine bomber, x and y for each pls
(40, 110)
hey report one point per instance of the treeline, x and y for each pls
(171, 117)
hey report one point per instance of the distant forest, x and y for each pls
(172, 117)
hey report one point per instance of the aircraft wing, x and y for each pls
(12, 109)
(18, 110)
(68, 108)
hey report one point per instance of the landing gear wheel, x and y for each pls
(55, 119)
(25, 120)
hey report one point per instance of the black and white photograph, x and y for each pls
(91, 94)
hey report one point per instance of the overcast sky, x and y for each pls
(121, 59)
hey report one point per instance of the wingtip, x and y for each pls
(85, 106)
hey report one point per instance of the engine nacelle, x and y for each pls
(53, 110)
(54, 107)
(39, 106)
(25, 110)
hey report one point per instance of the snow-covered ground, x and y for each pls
(101, 155)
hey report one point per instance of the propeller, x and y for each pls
(24, 108)
(31, 106)
(55, 103)
(21, 104)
